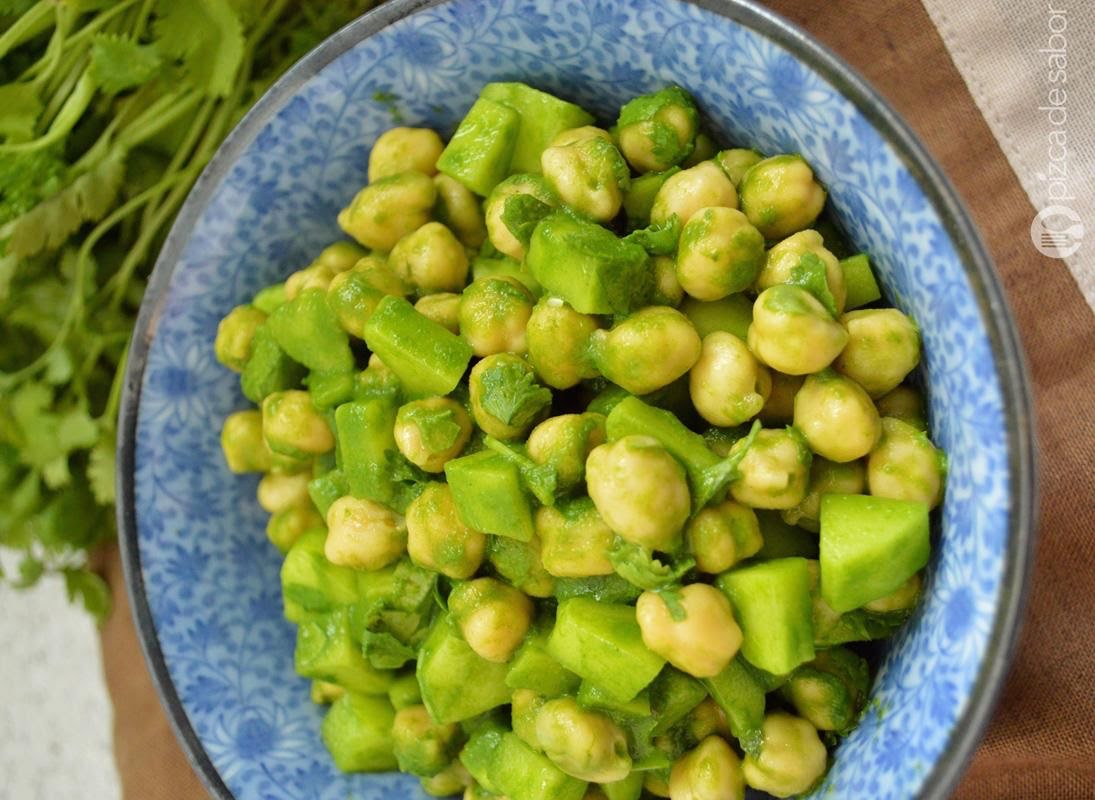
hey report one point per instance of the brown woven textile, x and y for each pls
(1042, 741)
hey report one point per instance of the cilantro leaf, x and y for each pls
(28, 178)
(660, 238)
(521, 213)
(716, 478)
(90, 589)
(100, 471)
(640, 567)
(540, 479)
(394, 623)
(437, 427)
(118, 64)
(208, 36)
(21, 108)
(511, 393)
(811, 275)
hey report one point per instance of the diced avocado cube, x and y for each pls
(602, 643)
(593, 696)
(480, 754)
(329, 389)
(427, 358)
(307, 329)
(733, 314)
(456, 682)
(269, 369)
(327, 488)
(672, 695)
(859, 282)
(588, 266)
(505, 267)
(869, 547)
(310, 584)
(741, 697)
(543, 117)
(771, 601)
(533, 667)
(782, 540)
(405, 692)
(640, 196)
(630, 788)
(326, 651)
(489, 495)
(358, 733)
(270, 298)
(631, 416)
(366, 445)
(521, 773)
(480, 152)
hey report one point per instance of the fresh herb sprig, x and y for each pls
(109, 110)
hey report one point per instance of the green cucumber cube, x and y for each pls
(543, 117)
(427, 358)
(326, 651)
(771, 601)
(859, 282)
(588, 266)
(456, 682)
(489, 495)
(358, 733)
(602, 643)
(480, 152)
(869, 547)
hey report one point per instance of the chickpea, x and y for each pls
(454, 779)
(780, 196)
(648, 350)
(363, 534)
(438, 539)
(705, 149)
(234, 336)
(781, 260)
(780, 405)
(905, 465)
(494, 313)
(323, 693)
(422, 746)
(718, 537)
(791, 760)
(431, 432)
(720, 254)
(667, 289)
(292, 425)
(656, 783)
(575, 135)
(792, 332)
(431, 259)
(495, 376)
(703, 641)
(443, 308)
(774, 471)
(493, 617)
(688, 191)
(837, 417)
(883, 347)
(584, 744)
(458, 209)
(558, 343)
(727, 385)
(525, 706)
(710, 772)
(404, 150)
(826, 477)
(339, 256)
(353, 299)
(385, 211)
(314, 276)
(588, 175)
(736, 162)
(565, 442)
(658, 130)
(576, 540)
(499, 233)
(380, 276)
(241, 440)
(640, 491)
(902, 599)
(285, 527)
(906, 404)
(707, 719)
(282, 492)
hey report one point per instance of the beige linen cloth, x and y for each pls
(1042, 741)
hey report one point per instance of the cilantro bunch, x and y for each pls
(109, 110)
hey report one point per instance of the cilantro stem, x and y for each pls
(64, 122)
(33, 22)
(110, 410)
(100, 21)
(161, 114)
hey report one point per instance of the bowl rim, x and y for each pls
(980, 271)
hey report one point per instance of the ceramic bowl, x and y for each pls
(204, 579)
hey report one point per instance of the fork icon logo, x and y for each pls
(1057, 231)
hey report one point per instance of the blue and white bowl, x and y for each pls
(204, 579)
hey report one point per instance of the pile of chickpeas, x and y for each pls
(826, 384)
